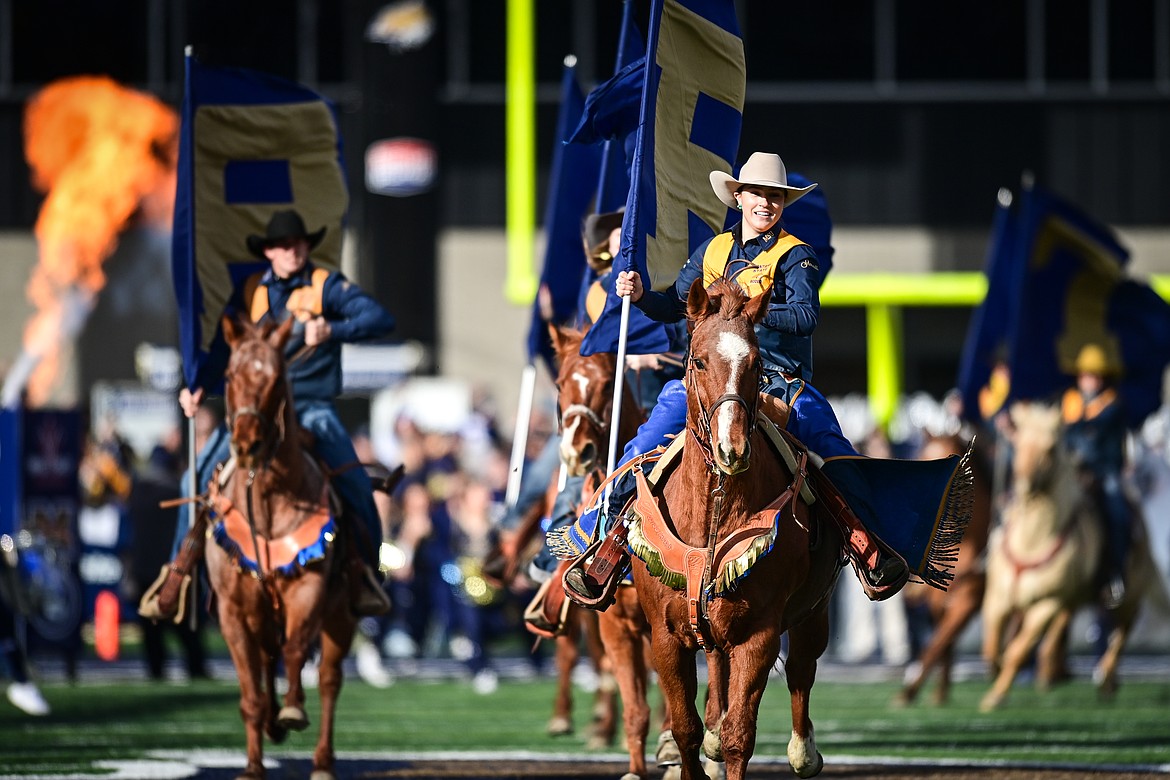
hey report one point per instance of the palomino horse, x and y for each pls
(280, 589)
(952, 609)
(1043, 560)
(751, 558)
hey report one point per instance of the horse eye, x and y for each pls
(699, 364)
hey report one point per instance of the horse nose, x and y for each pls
(588, 455)
(254, 448)
(732, 461)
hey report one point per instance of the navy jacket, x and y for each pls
(353, 317)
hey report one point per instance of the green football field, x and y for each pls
(1068, 726)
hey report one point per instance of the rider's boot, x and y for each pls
(367, 597)
(166, 598)
(592, 579)
(880, 569)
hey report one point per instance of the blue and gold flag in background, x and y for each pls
(1074, 291)
(1057, 281)
(693, 85)
(249, 144)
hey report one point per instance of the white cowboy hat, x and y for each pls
(762, 170)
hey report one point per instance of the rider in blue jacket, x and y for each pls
(762, 258)
(329, 311)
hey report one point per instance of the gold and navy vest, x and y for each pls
(783, 352)
(304, 303)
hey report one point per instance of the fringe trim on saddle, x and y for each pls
(938, 564)
(733, 571)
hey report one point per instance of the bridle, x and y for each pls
(271, 426)
(702, 431)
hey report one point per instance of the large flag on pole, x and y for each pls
(694, 80)
(249, 144)
(1074, 291)
(568, 200)
(1056, 282)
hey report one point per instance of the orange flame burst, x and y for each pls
(104, 155)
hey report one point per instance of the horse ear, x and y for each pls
(233, 330)
(698, 302)
(757, 307)
(279, 337)
(560, 337)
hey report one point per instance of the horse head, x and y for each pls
(723, 371)
(1037, 454)
(256, 393)
(585, 400)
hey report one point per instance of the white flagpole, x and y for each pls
(618, 386)
(520, 436)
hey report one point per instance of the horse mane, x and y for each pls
(728, 296)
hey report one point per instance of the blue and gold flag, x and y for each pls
(249, 144)
(1074, 291)
(693, 85)
(1057, 281)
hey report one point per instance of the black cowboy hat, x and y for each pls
(597, 227)
(282, 226)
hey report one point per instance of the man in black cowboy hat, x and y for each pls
(329, 311)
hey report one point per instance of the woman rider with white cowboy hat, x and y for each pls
(761, 257)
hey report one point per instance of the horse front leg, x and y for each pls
(566, 656)
(718, 673)
(806, 643)
(247, 657)
(678, 679)
(1038, 617)
(336, 639)
(626, 649)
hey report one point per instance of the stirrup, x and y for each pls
(536, 619)
(575, 575)
(889, 557)
(367, 597)
(153, 605)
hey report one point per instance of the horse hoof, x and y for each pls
(667, 753)
(812, 770)
(714, 770)
(276, 733)
(322, 774)
(560, 727)
(632, 776)
(712, 746)
(596, 742)
(293, 718)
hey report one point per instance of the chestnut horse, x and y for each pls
(275, 498)
(753, 560)
(585, 386)
(1042, 561)
(951, 610)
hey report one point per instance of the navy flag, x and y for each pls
(249, 144)
(568, 200)
(694, 80)
(614, 183)
(1067, 273)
